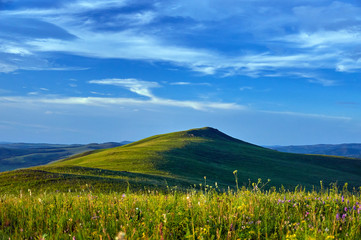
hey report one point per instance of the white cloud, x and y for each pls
(309, 115)
(134, 85)
(245, 88)
(325, 39)
(127, 102)
(143, 88)
(180, 83)
(189, 84)
(309, 49)
(129, 45)
(349, 65)
(13, 49)
(68, 8)
(7, 68)
(313, 78)
(322, 81)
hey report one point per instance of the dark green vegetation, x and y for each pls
(21, 155)
(205, 213)
(183, 159)
(346, 150)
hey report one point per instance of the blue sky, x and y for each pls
(267, 72)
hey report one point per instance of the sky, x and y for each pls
(267, 72)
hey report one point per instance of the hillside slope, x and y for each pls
(184, 158)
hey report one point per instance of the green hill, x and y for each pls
(184, 158)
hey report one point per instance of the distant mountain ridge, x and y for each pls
(21, 155)
(202, 155)
(346, 150)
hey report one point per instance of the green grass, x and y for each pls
(150, 190)
(203, 213)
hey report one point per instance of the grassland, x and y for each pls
(183, 159)
(151, 189)
(203, 212)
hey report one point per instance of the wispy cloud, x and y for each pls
(245, 88)
(314, 78)
(68, 8)
(189, 84)
(127, 102)
(142, 88)
(13, 48)
(309, 115)
(134, 85)
(284, 43)
(325, 39)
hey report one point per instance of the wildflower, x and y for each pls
(165, 217)
(344, 216)
(123, 196)
(345, 209)
(343, 199)
(120, 236)
(337, 216)
(326, 229)
(289, 236)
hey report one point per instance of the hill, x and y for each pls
(183, 159)
(22, 155)
(346, 150)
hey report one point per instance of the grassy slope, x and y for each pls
(186, 157)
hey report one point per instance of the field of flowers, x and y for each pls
(202, 213)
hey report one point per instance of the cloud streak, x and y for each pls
(134, 85)
(142, 88)
(126, 102)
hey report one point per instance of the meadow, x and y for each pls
(201, 212)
